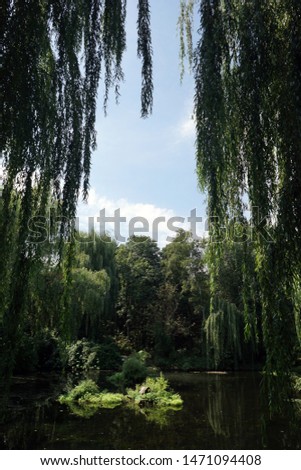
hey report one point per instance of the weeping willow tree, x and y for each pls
(248, 121)
(90, 310)
(223, 330)
(53, 54)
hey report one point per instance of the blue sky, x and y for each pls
(146, 167)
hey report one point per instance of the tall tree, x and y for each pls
(184, 294)
(138, 269)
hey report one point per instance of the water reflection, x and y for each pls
(219, 412)
(227, 411)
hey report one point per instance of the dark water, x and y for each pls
(219, 412)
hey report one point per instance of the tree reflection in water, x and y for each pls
(225, 402)
(219, 412)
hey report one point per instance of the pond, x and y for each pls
(220, 411)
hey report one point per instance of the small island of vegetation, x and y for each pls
(86, 398)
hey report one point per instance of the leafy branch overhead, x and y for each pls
(49, 98)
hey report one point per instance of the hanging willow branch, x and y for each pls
(185, 26)
(53, 55)
(223, 330)
(144, 51)
(247, 110)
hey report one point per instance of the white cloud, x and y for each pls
(158, 223)
(187, 128)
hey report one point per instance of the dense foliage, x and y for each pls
(140, 302)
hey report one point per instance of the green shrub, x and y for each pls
(82, 390)
(109, 357)
(85, 355)
(134, 371)
(86, 398)
(157, 393)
